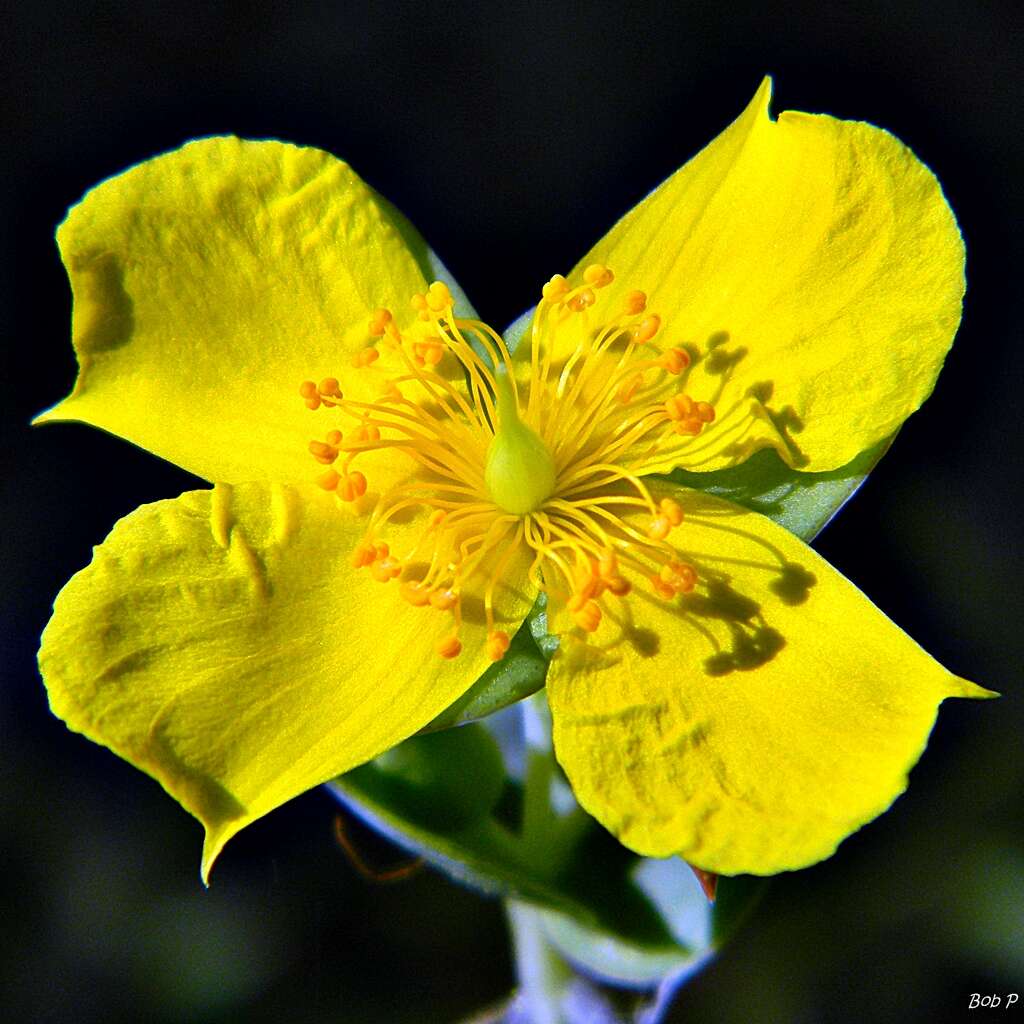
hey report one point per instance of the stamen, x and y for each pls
(444, 600)
(671, 510)
(497, 645)
(450, 648)
(351, 486)
(329, 480)
(679, 576)
(365, 357)
(416, 593)
(636, 302)
(645, 330)
(322, 452)
(588, 618)
(555, 288)
(675, 360)
(379, 322)
(581, 300)
(307, 389)
(508, 468)
(598, 276)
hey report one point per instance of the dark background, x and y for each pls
(513, 137)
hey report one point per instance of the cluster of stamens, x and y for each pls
(539, 459)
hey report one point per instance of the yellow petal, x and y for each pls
(816, 268)
(210, 282)
(222, 643)
(750, 725)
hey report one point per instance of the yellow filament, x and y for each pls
(611, 410)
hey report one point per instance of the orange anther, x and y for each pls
(365, 357)
(415, 593)
(385, 569)
(608, 565)
(379, 322)
(679, 576)
(419, 301)
(659, 527)
(582, 300)
(645, 330)
(444, 600)
(439, 298)
(351, 486)
(366, 431)
(392, 392)
(450, 648)
(329, 480)
(329, 387)
(628, 389)
(661, 588)
(333, 438)
(597, 275)
(588, 618)
(364, 554)
(497, 645)
(555, 288)
(671, 510)
(323, 453)
(679, 407)
(675, 360)
(313, 402)
(690, 426)
(587, 586)
(636, 302)
(619, 586)
(307, 389)
(381, 550)
(428, 353)
(705, 412)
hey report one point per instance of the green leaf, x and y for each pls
(514, 332)
(487, 848)
(447, 779)
(803, 503)
(625, 918)
(697, 927)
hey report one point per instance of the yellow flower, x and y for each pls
(719, 691)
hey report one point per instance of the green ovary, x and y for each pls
(520, 472)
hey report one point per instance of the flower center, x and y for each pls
(520, 472)
(532, 465)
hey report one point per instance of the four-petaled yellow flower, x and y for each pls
(719, 691)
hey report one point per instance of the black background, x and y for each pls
(512, 136)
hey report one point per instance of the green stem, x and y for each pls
(548, 837)
(543, 975)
